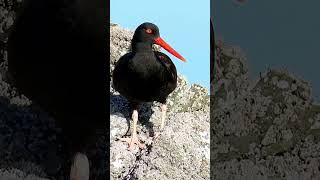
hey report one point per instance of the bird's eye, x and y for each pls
(149, 31)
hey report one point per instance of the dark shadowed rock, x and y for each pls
(262, 129)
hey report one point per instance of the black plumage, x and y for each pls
(144, 75)
(57, 57)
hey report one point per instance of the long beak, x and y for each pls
(167, 47)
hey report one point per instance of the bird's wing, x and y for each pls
(166, 61)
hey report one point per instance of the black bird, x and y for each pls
(58, 58)
(144, 75)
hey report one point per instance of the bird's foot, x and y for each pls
(132, 141)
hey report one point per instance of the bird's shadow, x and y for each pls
(119, 104)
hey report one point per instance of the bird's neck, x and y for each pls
(141, 47)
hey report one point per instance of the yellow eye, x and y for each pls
(149, 31)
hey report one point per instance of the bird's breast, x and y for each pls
(145, 66)
(142, 77)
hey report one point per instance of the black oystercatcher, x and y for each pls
(58, 58)
(144, 75)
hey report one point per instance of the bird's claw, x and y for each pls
(132, 141)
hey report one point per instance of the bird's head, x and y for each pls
(149, 33)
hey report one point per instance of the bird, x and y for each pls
(57, 57)
(144, 75)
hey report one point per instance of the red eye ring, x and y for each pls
(149, 31)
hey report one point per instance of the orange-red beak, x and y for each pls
(167, 47)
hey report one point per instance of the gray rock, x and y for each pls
(263, 129)
(181, 152)
(16, 174)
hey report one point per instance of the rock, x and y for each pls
(181, 152)
(16, 174)
(263, 129)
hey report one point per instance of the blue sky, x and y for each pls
(183, 24)
(274, 33)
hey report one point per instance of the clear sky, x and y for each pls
(183, 24)
(274, 33)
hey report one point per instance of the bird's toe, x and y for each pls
(132, 141)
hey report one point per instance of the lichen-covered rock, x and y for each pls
(230, 76)
(181, 152)
(263, 129)
(16, 174)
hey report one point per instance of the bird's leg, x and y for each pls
(163, 109)
(134, 138)
(80, 167)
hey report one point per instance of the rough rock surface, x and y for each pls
(263, 129)
(182, 150)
